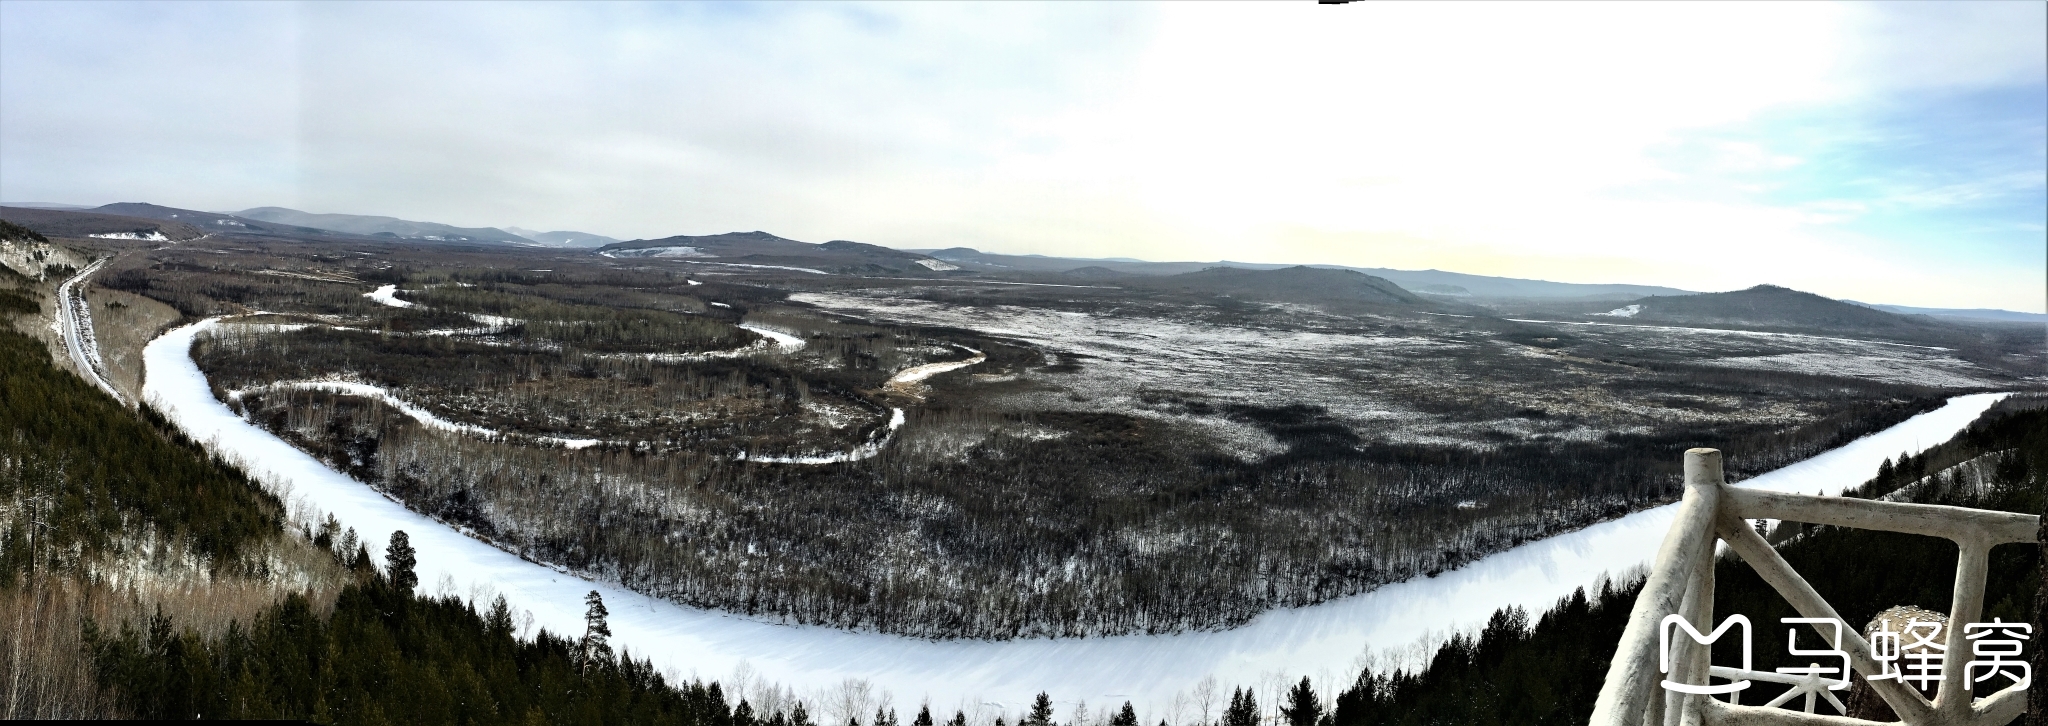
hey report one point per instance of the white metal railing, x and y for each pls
(1682, 583)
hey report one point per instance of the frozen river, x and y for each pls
(1323, 641)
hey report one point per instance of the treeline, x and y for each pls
(1550, 671)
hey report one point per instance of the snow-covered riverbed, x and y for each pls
(1323, 641)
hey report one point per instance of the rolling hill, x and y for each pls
(389, 227)
(67, 223)
(1770, 306)
(764, 249)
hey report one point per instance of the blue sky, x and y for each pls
(1887, 152)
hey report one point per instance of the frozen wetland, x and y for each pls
(1323, 641)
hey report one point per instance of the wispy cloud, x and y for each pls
(1887, 151)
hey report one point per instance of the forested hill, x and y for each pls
(82, 479)
(1548, 670)
(66, 223)
(1771, 306)
(1292, 284)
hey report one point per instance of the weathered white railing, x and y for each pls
(1682, 583)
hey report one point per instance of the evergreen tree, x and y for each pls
(1041, 711)
(924, 716)
(399, 560)
(744, 715)
(959, 719)
(885, 719)
(999, 721)
(1243, 711)
(799, 717)
(596, 647)
(1126, 717)
(1303, 708)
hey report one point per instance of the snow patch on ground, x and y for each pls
(1623, 312)
(763, 267)
(1895, 368)
(151, 236)
(865, 451)
(937, 265)
(388, 295)
(657, 252)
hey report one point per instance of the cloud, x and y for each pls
(1575, 141)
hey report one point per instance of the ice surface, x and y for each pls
(1147, 670)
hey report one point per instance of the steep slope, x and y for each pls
(375, 226)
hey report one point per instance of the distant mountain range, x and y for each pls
(1435, 283)
(762, 249)
(371, 226)
(563, 239)
(1983, 314)
(848, 257)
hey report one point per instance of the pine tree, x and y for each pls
(1127, 717)
(399, 560)
(999, 721)
(596, 647)
(744, 715)
(1041, 711)
(885, 719)
(1303, 708)
(924, 716)
(799, 717)
(1244, 709)
(959, 719)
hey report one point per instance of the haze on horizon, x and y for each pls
(1884, 152)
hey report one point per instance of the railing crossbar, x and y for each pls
(1682, 581)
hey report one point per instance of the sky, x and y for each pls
(1889, 152)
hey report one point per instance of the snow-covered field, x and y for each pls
(1324, 642)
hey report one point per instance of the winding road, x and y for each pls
(74, 323)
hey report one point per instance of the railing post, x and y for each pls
(1633, 677)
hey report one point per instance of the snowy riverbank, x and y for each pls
(1323, 641)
